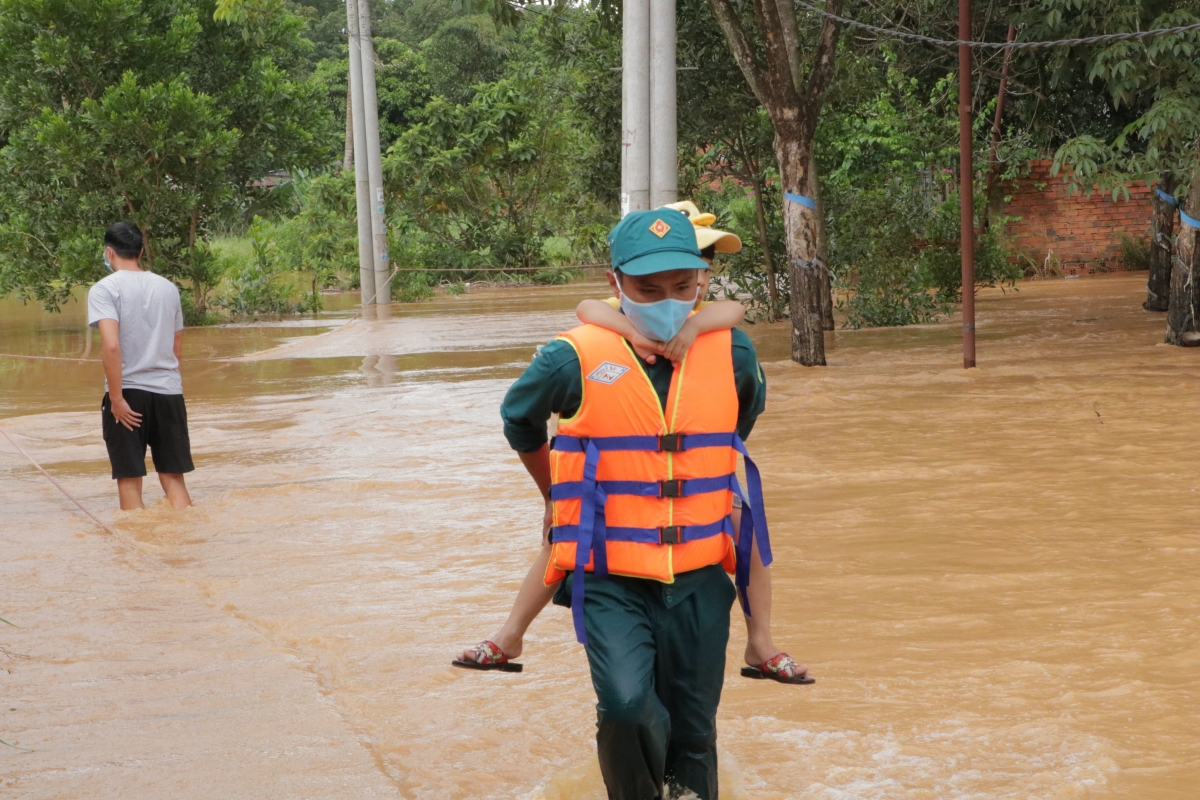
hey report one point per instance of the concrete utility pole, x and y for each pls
(366, 261)
(664, 140)
(370, 117)
(635, 106)
(966, 184)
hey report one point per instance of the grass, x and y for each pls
(236, 248)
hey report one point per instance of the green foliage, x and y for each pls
(742, 276)
(193, 316)
(878, 260)
(941, 254)
(320, 233)
(149, 111)
(1156, 81)
(555, 276)
(893, 208)
(468, 51)
(473, 185)
(402, 86)
(891, 293)
(254, 286)
(411, 286)
(1135, 253)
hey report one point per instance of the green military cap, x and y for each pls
(645, 242)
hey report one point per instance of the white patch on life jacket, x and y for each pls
(607, 372)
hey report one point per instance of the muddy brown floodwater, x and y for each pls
(992, 573)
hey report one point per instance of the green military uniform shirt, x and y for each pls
(553, 384)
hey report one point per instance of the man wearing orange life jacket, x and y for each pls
(639, 485)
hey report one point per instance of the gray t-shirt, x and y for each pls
(148, 310)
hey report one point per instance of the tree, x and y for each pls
(724, 130)
(1158, 79)
(475, 181)
(789, 78)
(151, 111)
(1183, 315)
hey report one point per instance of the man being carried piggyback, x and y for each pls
(639, 483)
(141, 335)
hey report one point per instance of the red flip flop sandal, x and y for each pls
(488, 657)
(782, 668)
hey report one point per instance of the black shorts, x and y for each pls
(164, 428)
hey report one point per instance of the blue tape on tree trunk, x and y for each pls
(1167, 197)
(1195, 223)
(800, 199)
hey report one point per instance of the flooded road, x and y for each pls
(993, 574)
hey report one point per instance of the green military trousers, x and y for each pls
(657, 657)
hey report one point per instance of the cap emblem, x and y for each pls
(659, 228)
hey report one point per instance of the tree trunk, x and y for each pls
(800, 229)
(772, 70)
(765, 242)
(348, 151)
(822, 245)
(1182, 328)
(1158, 284)
(993, 190)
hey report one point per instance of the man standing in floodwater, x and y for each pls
(141, 337)
(639, 485)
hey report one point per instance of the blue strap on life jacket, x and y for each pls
(673, 442)
(688, 487)
(753, 528)
(680, 534)
(592, 533)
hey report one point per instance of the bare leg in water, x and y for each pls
(760, 646)
(531, 599)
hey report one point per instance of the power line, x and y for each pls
(916, 37)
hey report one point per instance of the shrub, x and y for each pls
(941, 258)
(193, 316)
(892, 293)
(411, 286)
(556, 277)
(253, 287)
(1135, 254)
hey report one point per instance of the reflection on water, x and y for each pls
(991, 572)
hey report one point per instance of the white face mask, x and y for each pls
(107, 263)
(659, 320)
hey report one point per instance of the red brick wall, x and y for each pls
(1082, 232)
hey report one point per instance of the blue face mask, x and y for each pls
(104, 255)
(659, 320)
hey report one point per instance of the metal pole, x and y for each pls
(366, 260)
(635, 106)
(664, 148)
(966, 184)
(370, 106)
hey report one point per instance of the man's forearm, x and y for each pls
(537, 464)
(111, 358)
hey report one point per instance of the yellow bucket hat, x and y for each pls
(706, 235)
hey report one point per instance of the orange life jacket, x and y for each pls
(645, 493)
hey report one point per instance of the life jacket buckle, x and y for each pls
(670, 443)
(672, 488)
(672, 534)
